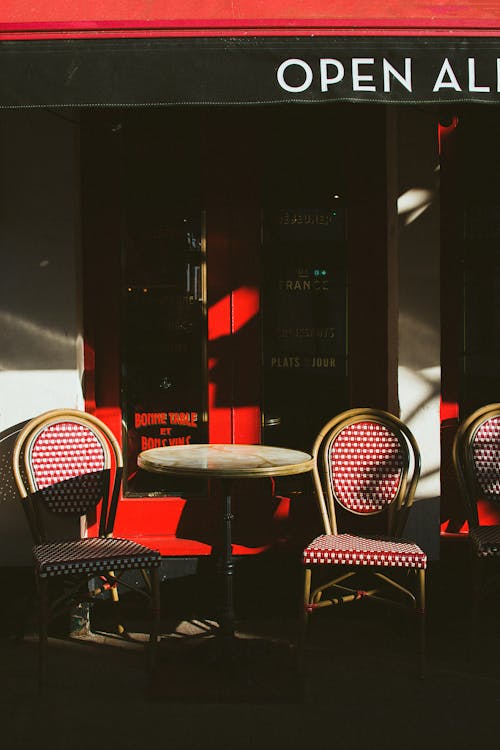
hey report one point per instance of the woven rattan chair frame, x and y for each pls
(82, 559)
(484, 540)
(29, 487)
(384, 588)
(463, 458)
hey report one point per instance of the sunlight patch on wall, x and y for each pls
(26, 393)
(419, 392)
(20, 326)
(412, 203)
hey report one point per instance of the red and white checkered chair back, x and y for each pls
(365, 466)
(367, 461)
(476, 457)
(485, 447)
(66, 461)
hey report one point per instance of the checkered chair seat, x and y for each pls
(486, 540)
(346, 549)
(93, 555)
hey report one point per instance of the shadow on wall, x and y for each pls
(44, 346)
(15, 537)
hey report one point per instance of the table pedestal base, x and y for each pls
(226, 568)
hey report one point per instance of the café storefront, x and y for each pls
(239, 276)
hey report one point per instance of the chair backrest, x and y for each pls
(67, 461)
(369, 462)
(476, 457)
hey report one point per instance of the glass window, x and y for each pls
(163, 292)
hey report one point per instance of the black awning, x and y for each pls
(258, 70)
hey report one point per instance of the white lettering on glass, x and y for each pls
(357, 78)
(369, 74)
(451, 83)
(472, 77)
(389, 70)
(301, 64)
(324, 64)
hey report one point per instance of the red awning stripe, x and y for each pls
(249, 17)
(401, 26)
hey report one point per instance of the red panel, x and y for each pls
(449, 410)
(219, 318)
(245, 307)
(245, 17)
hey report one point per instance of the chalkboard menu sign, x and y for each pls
(304, 322)
(164, 335)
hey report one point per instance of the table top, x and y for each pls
(224, 460)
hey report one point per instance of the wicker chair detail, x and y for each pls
(367, 463)
(67, 463)
(476, 457)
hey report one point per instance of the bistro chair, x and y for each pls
(367, 463)
(476, 457)
(68, 465)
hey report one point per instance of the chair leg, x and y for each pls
(155, 620)
(304, 619)
(27, 611)
(115, 598)
(154, 581)
(421, 618)
(43, 621)
(477, 580)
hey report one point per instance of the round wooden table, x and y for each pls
(226, 462)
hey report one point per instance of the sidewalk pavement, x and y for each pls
(360, 687)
